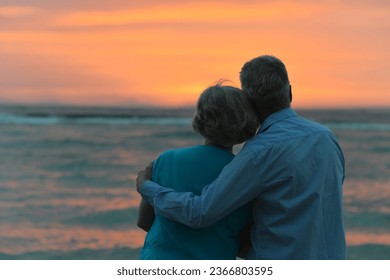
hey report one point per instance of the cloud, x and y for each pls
(187, 13)
(17, 11)
(80, 14)
(38, 78)
(119, 5)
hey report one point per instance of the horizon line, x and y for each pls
(172, 107)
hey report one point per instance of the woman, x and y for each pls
(224, 118)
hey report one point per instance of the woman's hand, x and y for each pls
(144, 175)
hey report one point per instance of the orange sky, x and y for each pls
(159, 52)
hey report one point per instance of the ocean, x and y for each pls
(67, 177)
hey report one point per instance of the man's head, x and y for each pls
(264, 79)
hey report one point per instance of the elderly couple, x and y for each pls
(280, 197)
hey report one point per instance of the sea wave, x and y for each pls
(131, 120)
(92, 120)
(359, 126)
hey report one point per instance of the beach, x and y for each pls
(67, 177)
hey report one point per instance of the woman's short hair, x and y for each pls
(224, 116)
(265, 80)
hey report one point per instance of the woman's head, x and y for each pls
(224, 116)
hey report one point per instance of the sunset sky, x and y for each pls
(165, 52)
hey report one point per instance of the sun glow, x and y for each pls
(167, 53)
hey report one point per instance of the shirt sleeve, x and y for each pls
(238, 184)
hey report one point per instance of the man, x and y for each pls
(292, 170)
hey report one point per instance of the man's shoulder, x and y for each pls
(289, 130)
(298, 127)
(314, 125)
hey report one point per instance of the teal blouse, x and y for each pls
(190, 169)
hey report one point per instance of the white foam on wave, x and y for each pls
(360, 126)
(50, 120)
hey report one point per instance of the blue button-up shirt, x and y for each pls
(293, 171)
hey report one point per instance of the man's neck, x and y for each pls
(266, 113)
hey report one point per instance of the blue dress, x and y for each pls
(190, 169)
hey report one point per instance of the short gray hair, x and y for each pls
(265, 80)
(224, 116)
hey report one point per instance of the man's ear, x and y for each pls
(290, 94)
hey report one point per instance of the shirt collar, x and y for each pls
(277, 117)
